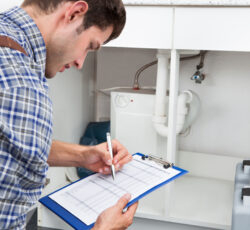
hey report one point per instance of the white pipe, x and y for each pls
(182, 109)
(161, 129)
(160, 118)
(161, 86)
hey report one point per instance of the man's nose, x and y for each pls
(79, 62)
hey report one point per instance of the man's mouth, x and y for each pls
(67, 66)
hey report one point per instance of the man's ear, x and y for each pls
(76, 11)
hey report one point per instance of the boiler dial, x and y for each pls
(122, 101)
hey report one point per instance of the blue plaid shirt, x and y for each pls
(25, 119)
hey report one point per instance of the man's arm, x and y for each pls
(95, 158)
(66, 154)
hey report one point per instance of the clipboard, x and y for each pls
(76, 223)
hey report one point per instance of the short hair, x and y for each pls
(101, 13)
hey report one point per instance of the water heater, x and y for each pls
(131, 121)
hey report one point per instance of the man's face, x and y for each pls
(69, 48)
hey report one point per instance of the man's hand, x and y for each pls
(114, 218)
(98, 158)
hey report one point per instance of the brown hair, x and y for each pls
(101, 13)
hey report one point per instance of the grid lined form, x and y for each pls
(87, 198)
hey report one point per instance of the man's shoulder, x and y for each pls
(10, 29)
(17, 69)
(15, 74)
(16, 24)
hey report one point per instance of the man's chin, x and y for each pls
(49, 75)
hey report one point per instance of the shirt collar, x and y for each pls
(34, 38)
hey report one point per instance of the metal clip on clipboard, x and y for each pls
(158, 160)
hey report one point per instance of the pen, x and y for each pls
(112, 167)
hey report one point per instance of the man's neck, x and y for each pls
(44, 22)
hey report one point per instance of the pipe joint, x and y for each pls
(159, 119)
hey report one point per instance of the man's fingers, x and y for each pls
(123, 161)
(105, 170)
(132, 209)
(120, 155)
(129, 214)
(106, 157)
(122, 202)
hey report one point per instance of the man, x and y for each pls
(53, 35)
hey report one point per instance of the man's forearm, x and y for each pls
(66, 154)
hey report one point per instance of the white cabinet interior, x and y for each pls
(204, 197)
(146, 27)
(212, 28)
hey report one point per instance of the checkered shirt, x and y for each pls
(25, 119)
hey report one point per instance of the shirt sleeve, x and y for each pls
(25, 140)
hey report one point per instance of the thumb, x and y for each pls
(123, 201)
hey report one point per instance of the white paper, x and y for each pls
(87, 198)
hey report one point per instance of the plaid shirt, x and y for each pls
(25, 119)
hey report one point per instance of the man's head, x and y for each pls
(71, 28)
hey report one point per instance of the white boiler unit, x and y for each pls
(132, 121)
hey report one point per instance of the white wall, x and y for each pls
(4, 5)
(73, 101)
(117, 67)
(223, 126)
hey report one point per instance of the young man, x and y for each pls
(36, 41)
